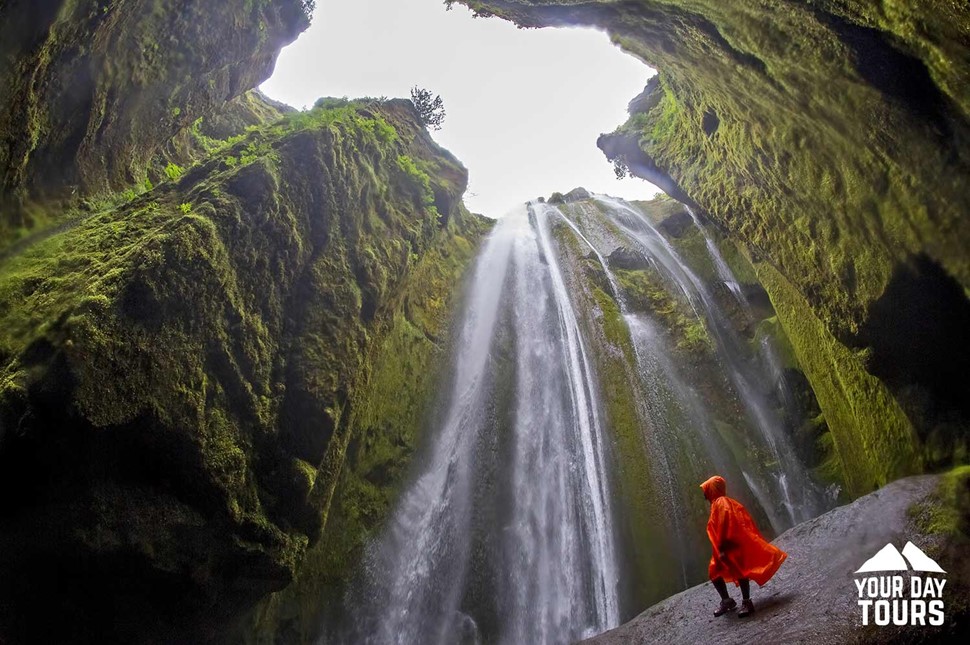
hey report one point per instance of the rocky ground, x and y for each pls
(813, 599)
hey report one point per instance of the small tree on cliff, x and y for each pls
(431, 110)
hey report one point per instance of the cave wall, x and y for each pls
(830, 139)
(178, 374)
(387, 418)
(203, 296)
(89, 91)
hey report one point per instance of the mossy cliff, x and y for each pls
(223, 126)
(387, 417)
(830, 140)
(754, 318)
(90, 91)
(181, 376)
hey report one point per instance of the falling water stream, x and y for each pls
(767, 350)
(555, 569)
(415, 572)
(792, 484)
(720, 265)
(506, 531)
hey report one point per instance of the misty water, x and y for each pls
(510, 529)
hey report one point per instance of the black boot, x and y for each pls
(747, 608)
(727, 605)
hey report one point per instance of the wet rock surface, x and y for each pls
(812, 598)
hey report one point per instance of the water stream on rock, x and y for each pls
(551, 571)
(720, 265)
(507, 531)
(768, 352)
(792, 484)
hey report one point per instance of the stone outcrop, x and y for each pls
(90, 91)
(813, 597)
(180, 373)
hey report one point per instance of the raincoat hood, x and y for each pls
(714, 487)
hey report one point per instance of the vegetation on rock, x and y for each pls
(93, 90)
(388, 416)
(637, 426)
(431, 110)
(181, 374)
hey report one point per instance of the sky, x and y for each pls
(524, 106)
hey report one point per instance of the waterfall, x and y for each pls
(792, 484)
(414, 575)
(769, 354)
(554, 575)
(720, 265)
(509, 528)
(655, 395)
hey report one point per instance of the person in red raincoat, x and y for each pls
(740, 554)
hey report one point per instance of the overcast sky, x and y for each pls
(524, 107)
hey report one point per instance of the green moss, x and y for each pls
(874, 440)
(772, 329)
(947, 511)
(416, 176)
(692, 248)
(149, 72)
(736, 260)
(238, 314)
(388, 416)
(647, 292)
(633, 480)
(659, 208)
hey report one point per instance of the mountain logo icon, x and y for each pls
(890, 559)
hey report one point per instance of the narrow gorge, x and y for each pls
(264, 377)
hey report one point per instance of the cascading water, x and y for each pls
(415, 574)
(682, 430)
(554, 576)
(508, 531)
(656, 394)
(792, 484)
(720, 265)
(559, 441)
(769, 354)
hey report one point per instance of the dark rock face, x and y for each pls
(625, 258)
(576, 194)
(90, 91)
(831, 139)
(676, 225)
(178, 374)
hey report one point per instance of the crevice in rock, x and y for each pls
(916, 333)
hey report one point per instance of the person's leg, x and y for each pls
(721, 587)
(727, 602)
(747, 607)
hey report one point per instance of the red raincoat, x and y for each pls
(732, 532)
